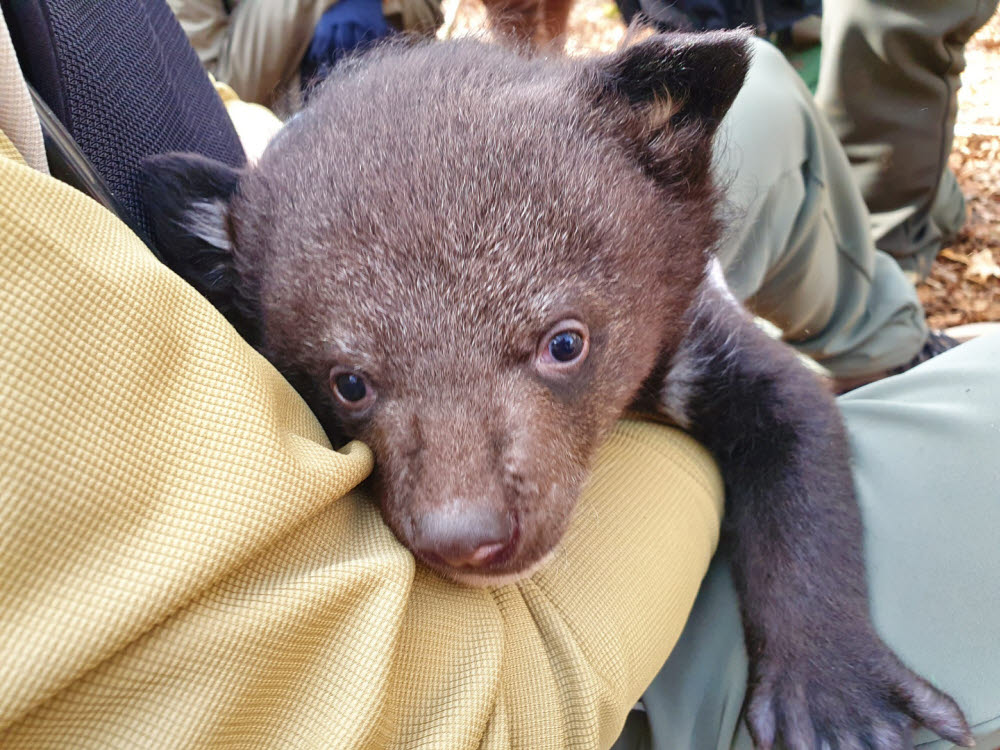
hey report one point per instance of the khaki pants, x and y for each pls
(924, 448)
(888, 82)
(257, 48)
(800, 250)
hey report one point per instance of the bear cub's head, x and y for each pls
(473, 259)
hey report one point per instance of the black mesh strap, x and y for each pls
(122, 78)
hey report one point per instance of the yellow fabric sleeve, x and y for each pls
(185, 562)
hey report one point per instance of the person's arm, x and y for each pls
(265, 44)
(185, 563)
(257, 47)
(205, 23)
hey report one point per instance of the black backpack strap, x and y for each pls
(70, 165)
(124, 82)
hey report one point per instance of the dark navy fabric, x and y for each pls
(345, 27)
(721, 14)
(123, 79)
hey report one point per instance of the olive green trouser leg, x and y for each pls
(798, 247)
(924, 447)
(888, 81)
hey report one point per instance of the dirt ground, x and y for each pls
(964, 285)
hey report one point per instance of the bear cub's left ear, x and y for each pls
(678, 87)
(187, 197)
(698, 73)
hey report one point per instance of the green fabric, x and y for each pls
(806, 63)
(799, 248)
(924, 447)
(888, 82)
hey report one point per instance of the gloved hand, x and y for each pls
(344, 27)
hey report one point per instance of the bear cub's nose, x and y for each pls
(463, 535)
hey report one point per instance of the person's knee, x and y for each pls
(768, 58)
(773, 86)
(764, 134)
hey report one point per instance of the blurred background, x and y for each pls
(964, 286)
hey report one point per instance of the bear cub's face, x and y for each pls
(472, 260)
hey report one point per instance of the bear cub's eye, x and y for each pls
(563, 348)
(566, 346)
(351, 389)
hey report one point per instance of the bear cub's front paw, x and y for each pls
(846, 691)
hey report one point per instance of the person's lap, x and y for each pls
(924, 447)
(798, 248)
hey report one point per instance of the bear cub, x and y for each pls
(476, 259)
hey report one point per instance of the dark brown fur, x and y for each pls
(439, 288)
(427, 220)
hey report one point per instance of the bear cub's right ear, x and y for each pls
(186, 197)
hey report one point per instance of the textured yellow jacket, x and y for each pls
(185, 562)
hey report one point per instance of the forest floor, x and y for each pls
(964, 285)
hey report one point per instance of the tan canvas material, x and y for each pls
(257, 48)
(17, 114)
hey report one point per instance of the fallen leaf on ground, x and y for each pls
(982, 267)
